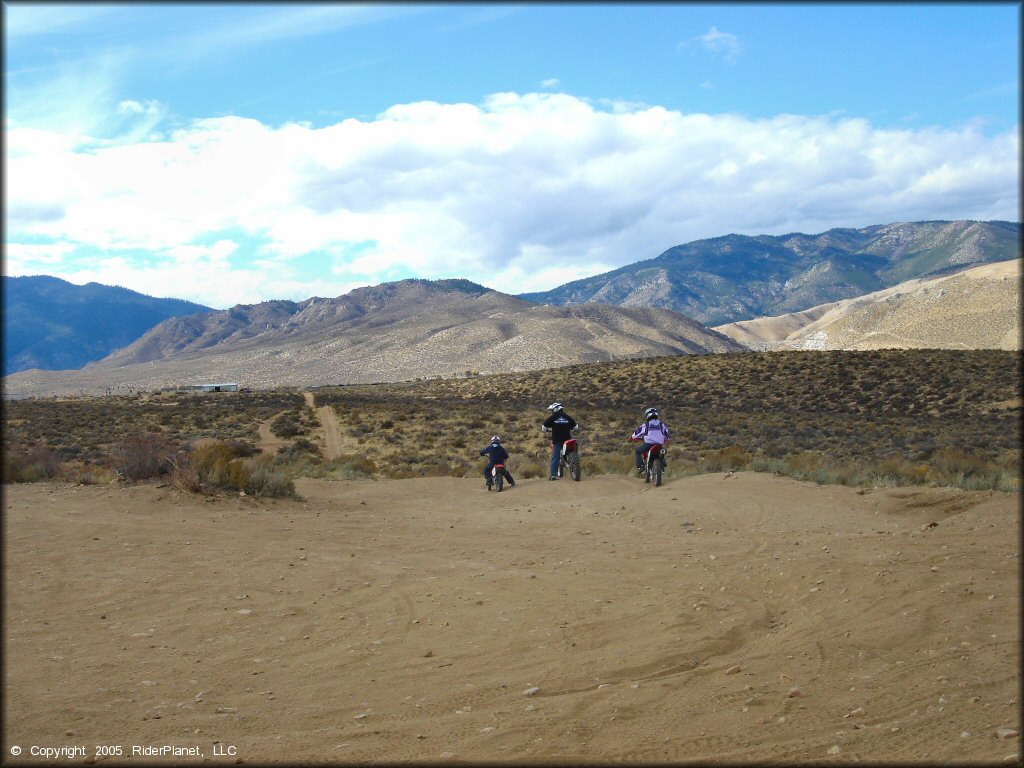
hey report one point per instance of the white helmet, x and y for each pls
(496, 439)
(556, 407)
(651, 413)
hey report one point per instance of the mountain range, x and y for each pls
(391, 332)
(978, 308)
(739, 277)
(52, 324)
(824, 291)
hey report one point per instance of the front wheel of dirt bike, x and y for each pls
(574, 466)
(647, 471)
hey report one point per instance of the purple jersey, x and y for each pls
(653, 431)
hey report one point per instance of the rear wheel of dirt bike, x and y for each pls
(659, 467)
(499, 480)
(574, 465)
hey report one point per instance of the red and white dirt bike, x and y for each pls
(654, 466)
(570, 459)
(498, 477)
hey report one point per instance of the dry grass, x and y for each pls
(864, 418)
(851, 417)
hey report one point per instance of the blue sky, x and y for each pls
(243, 152)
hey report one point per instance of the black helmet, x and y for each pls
(651, 413)
(496, 439)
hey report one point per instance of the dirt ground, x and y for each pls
(726, 618)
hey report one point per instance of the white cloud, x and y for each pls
(520, 193)
(721, 44)
(43, 258)
(551, 84)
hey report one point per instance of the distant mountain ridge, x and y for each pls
(254, 325)
(52, 324)
(978, 308)
(392, 332)
(739, 277)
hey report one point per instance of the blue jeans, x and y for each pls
(641, 453)
(556, 454)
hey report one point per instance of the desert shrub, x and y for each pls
(262, 479)
(300, 451)
(900, 470)
(1009, 460)
(1008, 482)
(29, 465)
(349, 467)
(88, 474)
(211, 459)
(806, 462)
(606, 463)
(66, 453)
(185, 478)
(775, 466)
(214, 466)
(239, 475)
(429, 468)
(974, 482)
(242, 448)
(680, 465)
(730, 458)
(43, 460)
(287, 425)
(528, 468)
(953, 461)
(140, 456)
(218, 466)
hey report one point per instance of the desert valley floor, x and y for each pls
(725, 617)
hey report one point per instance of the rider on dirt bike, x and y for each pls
(496, 454)
(561, 426)
(652, 432)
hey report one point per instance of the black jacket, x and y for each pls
(561, 425)
(496, 453)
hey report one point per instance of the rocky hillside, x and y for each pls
(736, 277)
(392, 332)
(977, 308)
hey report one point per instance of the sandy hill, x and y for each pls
(978, 308)
(392, 332)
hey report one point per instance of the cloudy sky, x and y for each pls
(231, 154)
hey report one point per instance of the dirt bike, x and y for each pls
(570, 459)
(655, 464)
(498, 477)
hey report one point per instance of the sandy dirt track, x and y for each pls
(329, 430)
(269, 443)
(718, 618)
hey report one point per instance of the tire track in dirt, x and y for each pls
(329, 427)
(269, 442)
